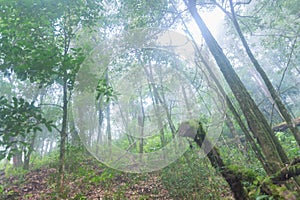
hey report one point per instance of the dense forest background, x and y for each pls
(137, 99)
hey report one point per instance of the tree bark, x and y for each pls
(274, 154)
(100, 107)
(75, 139)
(27, 153)
(63, 136)
(141, 123)
(108, 126)
(246, 131)
(287, 117)
(234, 180)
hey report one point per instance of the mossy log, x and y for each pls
(236, 175)
(287, 173)
(283, 126)
(194, 130)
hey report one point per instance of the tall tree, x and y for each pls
(38, 45)
(281, 107)
(270, 145)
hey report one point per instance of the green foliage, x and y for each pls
(19, 122)
(1, 191)
(49, 160)
(150, 144)
(15, 171)
(191, 177)
(289, 144)
(80, 197)
(79, 164)
(143, 13)
(255, 190)
(243, 173)
(36, 46)
(104, 90)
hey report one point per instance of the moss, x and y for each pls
(193, 123)
(243, 173)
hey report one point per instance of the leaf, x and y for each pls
(261, 197)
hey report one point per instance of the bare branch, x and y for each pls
(288, 63)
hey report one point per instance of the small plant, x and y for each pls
(49, 160)
(28, 196)
(80, 197)
(2, 192)
(15, 171)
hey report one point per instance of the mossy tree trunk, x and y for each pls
(208, 65)
(236, 176)
(287, 117)
(195, 131)
(274, 154)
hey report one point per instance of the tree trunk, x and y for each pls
(100, 121)
(159, 99)
(17, 159)
(234, 181)
(63, 136)
(75, 140)
(156, 102)
(108, 127)
(274, 154)
(246, 131)
(27, 153)
(287, 117)
(130, 138)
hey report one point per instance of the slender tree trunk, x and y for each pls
(100, 121)
(160, 99)
(155, 100)
(234, 133)
(108, 127)
(275, 156)
(287, 117)
(63, 136)
(130, 138)
(42, 146)
(17, 158)
(75, 140)
(141, 123)
(51, 145)
(27, 153)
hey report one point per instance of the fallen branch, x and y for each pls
(283, 126)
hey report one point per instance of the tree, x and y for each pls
(38, 46)
(272, 25)
(19, 123)
(256, 121)
(282, 109)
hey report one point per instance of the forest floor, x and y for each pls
(39, 184)
(91, 180)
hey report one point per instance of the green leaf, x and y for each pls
(262, 197)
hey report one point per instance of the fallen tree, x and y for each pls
(283, 126)
(236, 176)
(194, 130)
